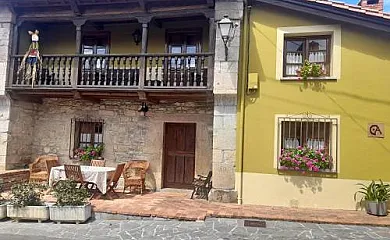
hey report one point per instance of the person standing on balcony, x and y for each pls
(28, 66)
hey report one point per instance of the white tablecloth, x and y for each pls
(97, 175)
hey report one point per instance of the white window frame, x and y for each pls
(335, 153)
(335, 59)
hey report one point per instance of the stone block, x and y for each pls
(225, 100)
(224, 196)
(225, 82)
(224, 139)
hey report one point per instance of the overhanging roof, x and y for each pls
(346, 13)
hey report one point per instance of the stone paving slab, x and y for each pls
(179, 206)
(210, 229)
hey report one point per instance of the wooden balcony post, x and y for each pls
(14, 51)
(75, 68)
(144, 49)
(210, 59)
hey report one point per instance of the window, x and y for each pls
(183, 41)
(320, 44)
(86, 132)
(370, 2)
(315, 49)
(312, 132)
(95, 44)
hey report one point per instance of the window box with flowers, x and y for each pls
(310, 70)
(85, 155)
(305, 159)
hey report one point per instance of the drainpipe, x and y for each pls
(244, 69)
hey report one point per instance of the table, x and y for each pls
(97, 175)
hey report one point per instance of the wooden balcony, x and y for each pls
(114, 76)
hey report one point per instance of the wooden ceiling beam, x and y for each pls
(75, 7)
(142, 5)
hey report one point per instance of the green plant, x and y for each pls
(376, 192)
(310, 70)
(305, 159)
(68, 194)
(89, 153)
(27, 194)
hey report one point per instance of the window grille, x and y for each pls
(85, 132)
(316, 132)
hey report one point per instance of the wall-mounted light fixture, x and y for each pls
(143, 109)
(137, 36)
(228, 30)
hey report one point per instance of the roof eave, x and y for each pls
(330, 12)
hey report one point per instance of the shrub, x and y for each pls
(376, 192)
(68, 194)
(27, 194)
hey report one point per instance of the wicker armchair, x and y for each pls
(40, 168)
(134, 175)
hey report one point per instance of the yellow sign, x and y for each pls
(376, 130)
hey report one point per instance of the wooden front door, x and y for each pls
(179, 155)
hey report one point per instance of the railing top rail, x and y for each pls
(127, 55)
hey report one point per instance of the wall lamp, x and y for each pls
(137, 36)
(143, 109)
(228, 30)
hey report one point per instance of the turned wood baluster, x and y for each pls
(64, 71)
(94, 69)
(188, 69)
(52, 72)
(130, 59)
(169, 69)
(117, 70)
(70, 71)
(157, 79)
(150, 70)
(202, 75)
(182, 70)
(100, 73)
(163, 62)
(196, 60)
(136, 72)
(123, 71)
(83, 71)
(176, 67)
(47, 69)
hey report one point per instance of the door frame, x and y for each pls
(164, 156)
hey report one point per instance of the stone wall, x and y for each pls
(20, 134)
(6, 26)
(127, 135)
(225, 104)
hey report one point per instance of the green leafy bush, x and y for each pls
(68, 194)
(310, 70)
(27, 194)
(376, 192)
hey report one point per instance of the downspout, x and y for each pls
(244, 69)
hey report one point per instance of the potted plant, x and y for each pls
(85, 155)
(305, 159)
(375, 196)
(310, 70)
(72, 203)
(3, 205)
(26, 202)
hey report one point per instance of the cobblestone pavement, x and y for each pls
(172, 229)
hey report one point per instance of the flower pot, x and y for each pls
(77, 214)
(376, 208)
(39, 213)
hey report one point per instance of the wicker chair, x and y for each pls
(40, 168)
(134, 175)
(98, 163)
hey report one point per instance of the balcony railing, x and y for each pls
(114, 71)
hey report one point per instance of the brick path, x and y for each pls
(179, 206)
